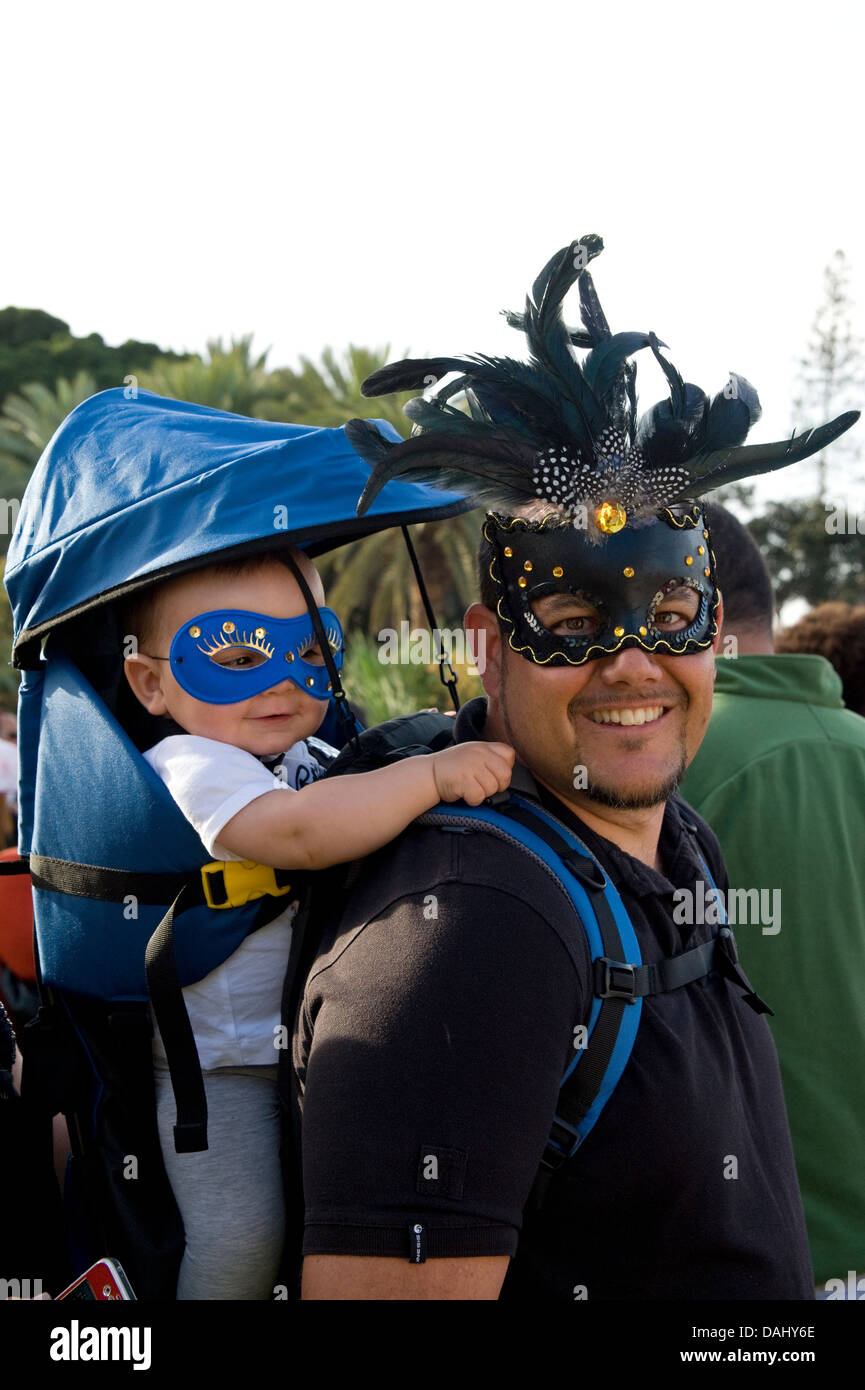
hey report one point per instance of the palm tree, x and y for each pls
(371, 583)
(230, 379)
(328, 392)
(28, 421)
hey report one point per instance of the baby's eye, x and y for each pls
(313, 655)
(237, 658)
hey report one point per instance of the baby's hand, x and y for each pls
(473, 771)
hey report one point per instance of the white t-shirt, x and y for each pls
(235, 1010)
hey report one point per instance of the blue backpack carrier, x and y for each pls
(130, 491)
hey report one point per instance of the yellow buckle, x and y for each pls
(234, 882)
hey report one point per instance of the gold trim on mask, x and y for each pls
(606, 651)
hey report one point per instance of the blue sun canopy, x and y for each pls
(131, 488)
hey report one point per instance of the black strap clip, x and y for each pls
(563, 1142)
(615, 979)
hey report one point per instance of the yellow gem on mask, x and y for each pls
(195, 632)
(619, 631)
(260, 632)
(558, 572)
(611, 517)
(689, 559)
(522, 581)
(528, 566)
(701, 550)
(228, 627)
(705, 535)
(289, 656)
(508, 551)
(642, 632)
(707, 573)
(628, 572)
(310, 680)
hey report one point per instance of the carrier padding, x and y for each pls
(98, 802)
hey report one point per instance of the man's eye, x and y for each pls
(580, 625)
(675, 618)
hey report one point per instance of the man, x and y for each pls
(781, 778)
(443, 1008)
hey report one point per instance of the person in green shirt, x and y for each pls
(780, 777)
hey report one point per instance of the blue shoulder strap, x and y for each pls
(619, 978)
(603, 1045)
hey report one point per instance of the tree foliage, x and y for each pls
(832, 375)
(37, 347)
(328, 392)
(27, 422)
(815, 549)
(228, 378)
(811, 553)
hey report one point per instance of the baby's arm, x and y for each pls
(344, 818)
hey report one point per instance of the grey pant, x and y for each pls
(230, 1196)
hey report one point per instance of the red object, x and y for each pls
(103, 1282)
(16, 922)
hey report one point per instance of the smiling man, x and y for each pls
(444, 1007)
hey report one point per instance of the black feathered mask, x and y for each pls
(565, 433)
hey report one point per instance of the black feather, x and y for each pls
(493, 471)
(710, 470)
(368, 441)
(412, 374)
(585, 414)
(593, 316)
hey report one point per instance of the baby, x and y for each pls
(235, 768)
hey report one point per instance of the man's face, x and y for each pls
(633, 720)
(268, 723)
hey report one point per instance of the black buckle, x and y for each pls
(562, 1144)
(615, 979)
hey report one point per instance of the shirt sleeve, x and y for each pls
(211, 782)
(435, 1046)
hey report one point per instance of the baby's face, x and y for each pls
(265, 724)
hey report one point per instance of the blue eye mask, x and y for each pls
(231, 654)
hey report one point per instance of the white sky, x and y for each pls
(393, 173)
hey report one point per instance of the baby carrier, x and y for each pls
(130, 491)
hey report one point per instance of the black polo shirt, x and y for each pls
(435, 1026)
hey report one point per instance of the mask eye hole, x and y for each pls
(237, 657)
(569, 615)
(312, 654)
(674, 608)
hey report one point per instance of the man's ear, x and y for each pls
(145, 680)
(485, 638)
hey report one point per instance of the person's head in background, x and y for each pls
(835, 631)
(746, 589)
